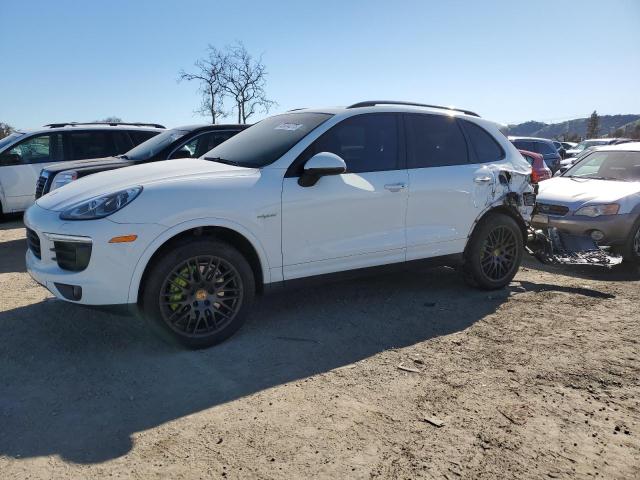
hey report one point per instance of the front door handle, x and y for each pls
(483, 179)
(395, 187)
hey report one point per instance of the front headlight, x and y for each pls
(597, 210)
(61, 179)
(100, 207)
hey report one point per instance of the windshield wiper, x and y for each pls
(123, 156)
(592, 177)
(222, 160)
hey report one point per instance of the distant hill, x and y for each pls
(609, 124)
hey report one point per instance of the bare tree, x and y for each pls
(5, 129)
(211, 74)
(111, 119)
(244, 82)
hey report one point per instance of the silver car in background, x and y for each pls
(600, 197)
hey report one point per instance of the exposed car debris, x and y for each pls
(550, 246)
(558, 248)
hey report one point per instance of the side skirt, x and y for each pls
(453, 260)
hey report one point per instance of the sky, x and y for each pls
(510, 61)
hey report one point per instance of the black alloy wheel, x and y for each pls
(494, 252)
(201, 296)
(499, 253)
(197, 292)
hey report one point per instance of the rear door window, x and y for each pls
(484, 145)
(91, 145)
(434, 141)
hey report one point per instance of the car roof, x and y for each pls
(511, 138)
(628, 147)
(395, 107)
(80, 126)
(209, 126)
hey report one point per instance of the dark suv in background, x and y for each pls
(543, 146)
(183, 142)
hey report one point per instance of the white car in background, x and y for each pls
(24, 154)
(593, 142)
(302, 194)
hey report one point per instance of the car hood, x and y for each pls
(146, 174)
(576, 192)
(80, 164)
(573, 152)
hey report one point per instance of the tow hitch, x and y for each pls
(552, 246)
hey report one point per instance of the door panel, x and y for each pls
(446, 192)
(19, 180)
(352, 220)
(443, 204)
(351, 215)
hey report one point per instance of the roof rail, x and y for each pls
(373, 103)
(111, 124)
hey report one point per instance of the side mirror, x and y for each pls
(10, 159)
(320, 165)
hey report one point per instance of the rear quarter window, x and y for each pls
(486, 148)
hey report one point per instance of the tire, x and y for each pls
(631, 249)
(199, 293)
(494, 252)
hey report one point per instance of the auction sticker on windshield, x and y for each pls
(289, 126)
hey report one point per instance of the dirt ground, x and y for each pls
(540, 380)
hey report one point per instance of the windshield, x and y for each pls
(148, 149)
(8, 140)
(608, 165)
(266, 141)
(589, 143)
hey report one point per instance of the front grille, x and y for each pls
(549, 209)
(33, 242)
(72, 256)
(40, 184)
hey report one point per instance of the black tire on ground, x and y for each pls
(631, 249)
(494, 252)
(199, 293)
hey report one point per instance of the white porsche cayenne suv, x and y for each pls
(306, 193)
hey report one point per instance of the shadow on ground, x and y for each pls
(78, 383)
(9, 221)
(12, 255)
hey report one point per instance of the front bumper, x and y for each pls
(107, 277)
(616, 228)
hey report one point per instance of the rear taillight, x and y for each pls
(535, 178)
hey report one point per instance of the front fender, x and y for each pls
(171, 232)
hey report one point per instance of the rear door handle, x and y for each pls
(395, 187)
(483, 179)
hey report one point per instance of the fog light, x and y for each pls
(597, 235)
